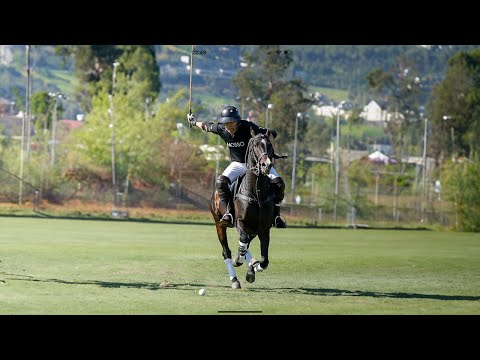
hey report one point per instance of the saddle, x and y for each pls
(235, 186)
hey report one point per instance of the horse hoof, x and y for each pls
(236, 284)
(250, 275)
(236, 261)
(255, 265)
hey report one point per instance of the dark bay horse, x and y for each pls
(253, 204)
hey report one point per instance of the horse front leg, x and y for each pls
(245, 255)
(243, 244)
(261, 265)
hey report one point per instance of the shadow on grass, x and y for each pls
(281, 290)
(393, 295)
(111, 284)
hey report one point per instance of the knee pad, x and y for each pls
(279, 183)
(278, 189)
(222, 183)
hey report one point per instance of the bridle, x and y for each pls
(258, 157)
(252, 157)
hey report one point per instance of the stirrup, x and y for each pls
(280, 223)
(226, 220)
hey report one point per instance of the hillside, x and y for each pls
(48, 73)
(335, 70)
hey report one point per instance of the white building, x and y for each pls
(327, 110)
(373, 112)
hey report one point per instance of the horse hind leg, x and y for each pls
(226, 253)
(227, 256)
(232, 274)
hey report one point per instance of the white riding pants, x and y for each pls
(236, 169)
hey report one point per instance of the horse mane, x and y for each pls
(248, 159)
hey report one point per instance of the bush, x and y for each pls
(462, 187)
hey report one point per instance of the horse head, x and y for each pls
(260, 154)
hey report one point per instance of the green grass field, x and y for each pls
(52, 266)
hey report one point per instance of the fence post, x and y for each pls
(36, 201)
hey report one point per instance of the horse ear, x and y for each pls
(252, 132)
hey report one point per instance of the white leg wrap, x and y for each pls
(257, 266)
(241, 248)
(242, 245)
(231, 270)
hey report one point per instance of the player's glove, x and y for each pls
(192, 120)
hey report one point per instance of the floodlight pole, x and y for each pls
(337, 158)
(112, 116)
(269, 106)
(22, 141)
(424, 173)
(299, 116)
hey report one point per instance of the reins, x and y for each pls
(256, 170)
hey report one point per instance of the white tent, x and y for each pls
(377, 156)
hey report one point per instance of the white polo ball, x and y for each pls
(202, 292)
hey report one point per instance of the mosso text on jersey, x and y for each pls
(236, 144)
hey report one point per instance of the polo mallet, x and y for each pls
(190, 101)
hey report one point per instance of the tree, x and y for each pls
(94, 65)
(462, 187)
(91, 63)
(353, 119)
(266, 80)
(147, 150)
(457, 98)
(399, 88)
(318, 135)
(140, 67)
(42, 105)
